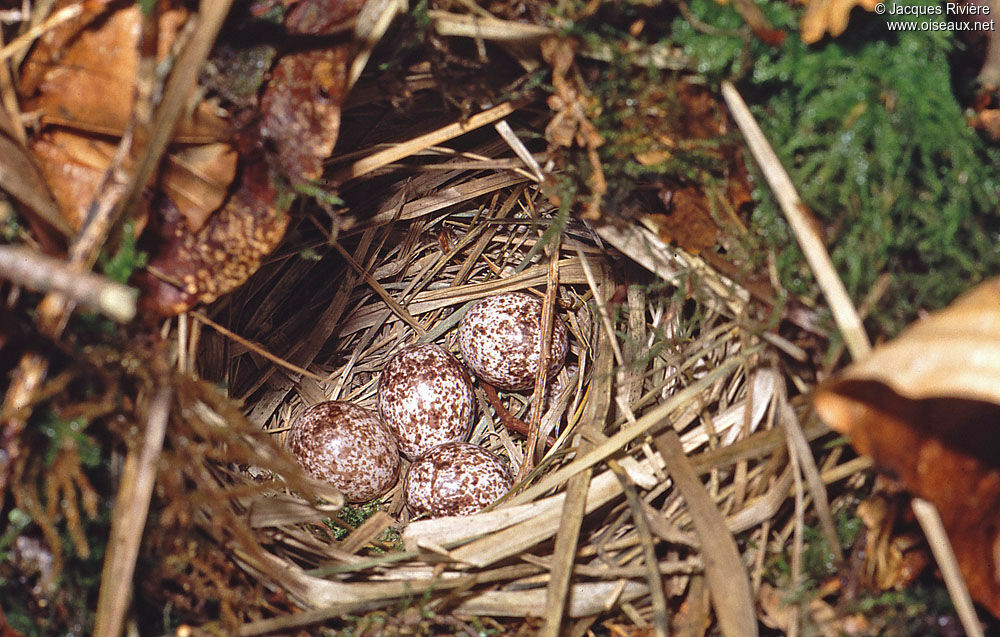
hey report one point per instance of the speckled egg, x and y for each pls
(347, 446)
(501, 341)
(425, 398)
(456, 478)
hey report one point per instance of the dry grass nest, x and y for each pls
(661, 346)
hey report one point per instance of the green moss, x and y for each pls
(126, 260)
(874, 139)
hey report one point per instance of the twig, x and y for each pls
(43, 273)
(23, 41)
(930, 521)
(544, 356)
(129, 519)
(574, 507)
(507, 418)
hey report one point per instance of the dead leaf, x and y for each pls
(73, 166)
(20, 177)
(926, 407)
(758, 22)
(187, 268)
(686, 214)
(829, 15)
(197, 178)
(68, 81)
(301, 109)
(301, 105)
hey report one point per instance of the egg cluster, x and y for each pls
(426, 408)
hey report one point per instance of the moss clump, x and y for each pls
(874, 138)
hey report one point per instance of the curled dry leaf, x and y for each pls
(198, 267)
(926, 408)
(829, 15)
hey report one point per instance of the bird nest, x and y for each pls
(663, 434)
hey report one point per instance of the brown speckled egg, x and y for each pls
(501, 341)
(348, 447)
(425, 398)
(456, 478)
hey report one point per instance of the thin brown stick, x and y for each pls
(129, 519)
(804, 230)
(544, 356)
(844, 314)
(567, 537)
(507, 418)
(930, 521)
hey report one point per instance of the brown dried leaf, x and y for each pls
(69, 81)
(829, 15)
(301, 105)
(20, 177)
(685, 214)
(73, 166)
(197, 179)
(925, 408)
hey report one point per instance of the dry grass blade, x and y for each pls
(448, 197)
(803, 227)
(626, 434)
(570, 272)
(661, 627)
(396, 308)
(368, 531)
(405, 149)
(372, 22)
(129, 518)
(800, 446)
(567, 537)
(727, 578)
(256, 347)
